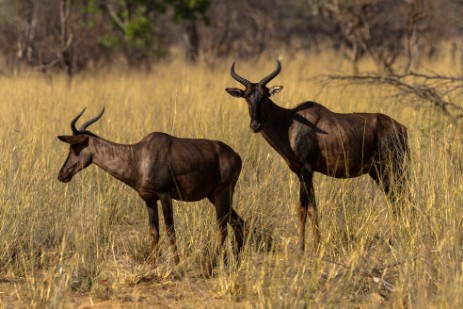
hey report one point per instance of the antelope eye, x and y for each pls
(77, 150)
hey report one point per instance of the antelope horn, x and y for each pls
(272, 75)
(91, 121)
(238, 78)
(73, 122)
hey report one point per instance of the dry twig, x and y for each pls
(436, 89)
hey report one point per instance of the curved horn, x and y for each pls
(91, 121)
(272, 75)
(238, 78)
(73, 122)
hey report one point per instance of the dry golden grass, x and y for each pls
(86, 243)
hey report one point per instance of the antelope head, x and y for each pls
(79, 156)
(256, 95)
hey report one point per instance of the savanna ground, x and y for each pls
(86, 244)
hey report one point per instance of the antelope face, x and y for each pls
(256, 95)
(79, 156)
(256, 99)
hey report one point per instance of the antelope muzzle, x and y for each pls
(256, 126)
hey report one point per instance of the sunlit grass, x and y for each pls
(87, 241)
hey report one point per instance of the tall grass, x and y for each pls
(87, 242)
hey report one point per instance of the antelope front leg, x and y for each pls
(236, 222)
(168, 213)
(307, 206)
(220, 239)
(238, 226)
(221, 201)
(153, 220)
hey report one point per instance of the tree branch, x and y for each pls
(430, 88)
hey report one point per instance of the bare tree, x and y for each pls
(367, 27)
(242, 27)
(26, 32)
(63, 52)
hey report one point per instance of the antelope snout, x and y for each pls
(256, 126)
(63, 177)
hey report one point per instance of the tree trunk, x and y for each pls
(191, 41)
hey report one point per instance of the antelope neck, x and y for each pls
(276, 128)
(116, 159)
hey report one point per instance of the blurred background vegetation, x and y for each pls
(73, 36)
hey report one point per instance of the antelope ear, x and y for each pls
(73, 139)
(275, 89)
(235, 92)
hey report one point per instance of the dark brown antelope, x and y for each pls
(163, 167)
(312, 138)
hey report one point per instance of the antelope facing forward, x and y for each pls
(163, 167)
(312, 138)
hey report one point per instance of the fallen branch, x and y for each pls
(430, 88)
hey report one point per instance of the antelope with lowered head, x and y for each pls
(163, 167)
(311, 138)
